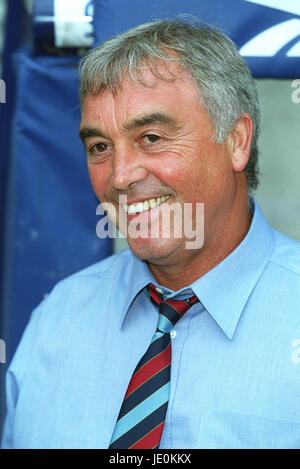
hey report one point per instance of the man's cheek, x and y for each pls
(99, 184)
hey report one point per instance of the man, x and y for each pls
(170, 118)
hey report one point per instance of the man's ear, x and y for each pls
(240, 140)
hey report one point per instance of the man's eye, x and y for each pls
(98, 148)
(151, 138)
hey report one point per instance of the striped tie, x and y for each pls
(142, 415)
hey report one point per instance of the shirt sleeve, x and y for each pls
(16, 372)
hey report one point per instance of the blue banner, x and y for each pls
(50, 206)
(266, 32)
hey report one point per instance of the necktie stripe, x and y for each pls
(154, 349)
(151, 368)
(151, 439)
(149, 387)
(142, 428)
(143, 412)
(191, 301)
(172, 314)
(179, 308)
(146, 407)
(154, 295)
(164, 324)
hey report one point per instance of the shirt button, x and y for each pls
(173, 334)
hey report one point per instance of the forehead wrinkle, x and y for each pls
(122, 98)
(149, 118)
(114, 105)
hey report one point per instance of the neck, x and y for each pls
(190, 265)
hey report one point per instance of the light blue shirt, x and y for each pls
(235, 378)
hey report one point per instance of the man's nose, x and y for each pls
(127, 167)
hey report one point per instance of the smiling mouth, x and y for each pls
(145, 205)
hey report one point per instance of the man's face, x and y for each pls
(157, 141)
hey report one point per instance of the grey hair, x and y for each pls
(227, 89)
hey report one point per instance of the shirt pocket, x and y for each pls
(231, 430)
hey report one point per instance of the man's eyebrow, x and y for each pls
(86, 132)
(146, 119)
(153, 118)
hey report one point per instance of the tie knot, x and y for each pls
(170, 311)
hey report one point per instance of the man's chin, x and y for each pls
(154, 250)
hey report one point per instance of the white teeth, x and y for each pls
(139, 207)
(146, 205)
(130, 209)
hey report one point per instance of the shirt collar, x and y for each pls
(224, 290)
(134, 278)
